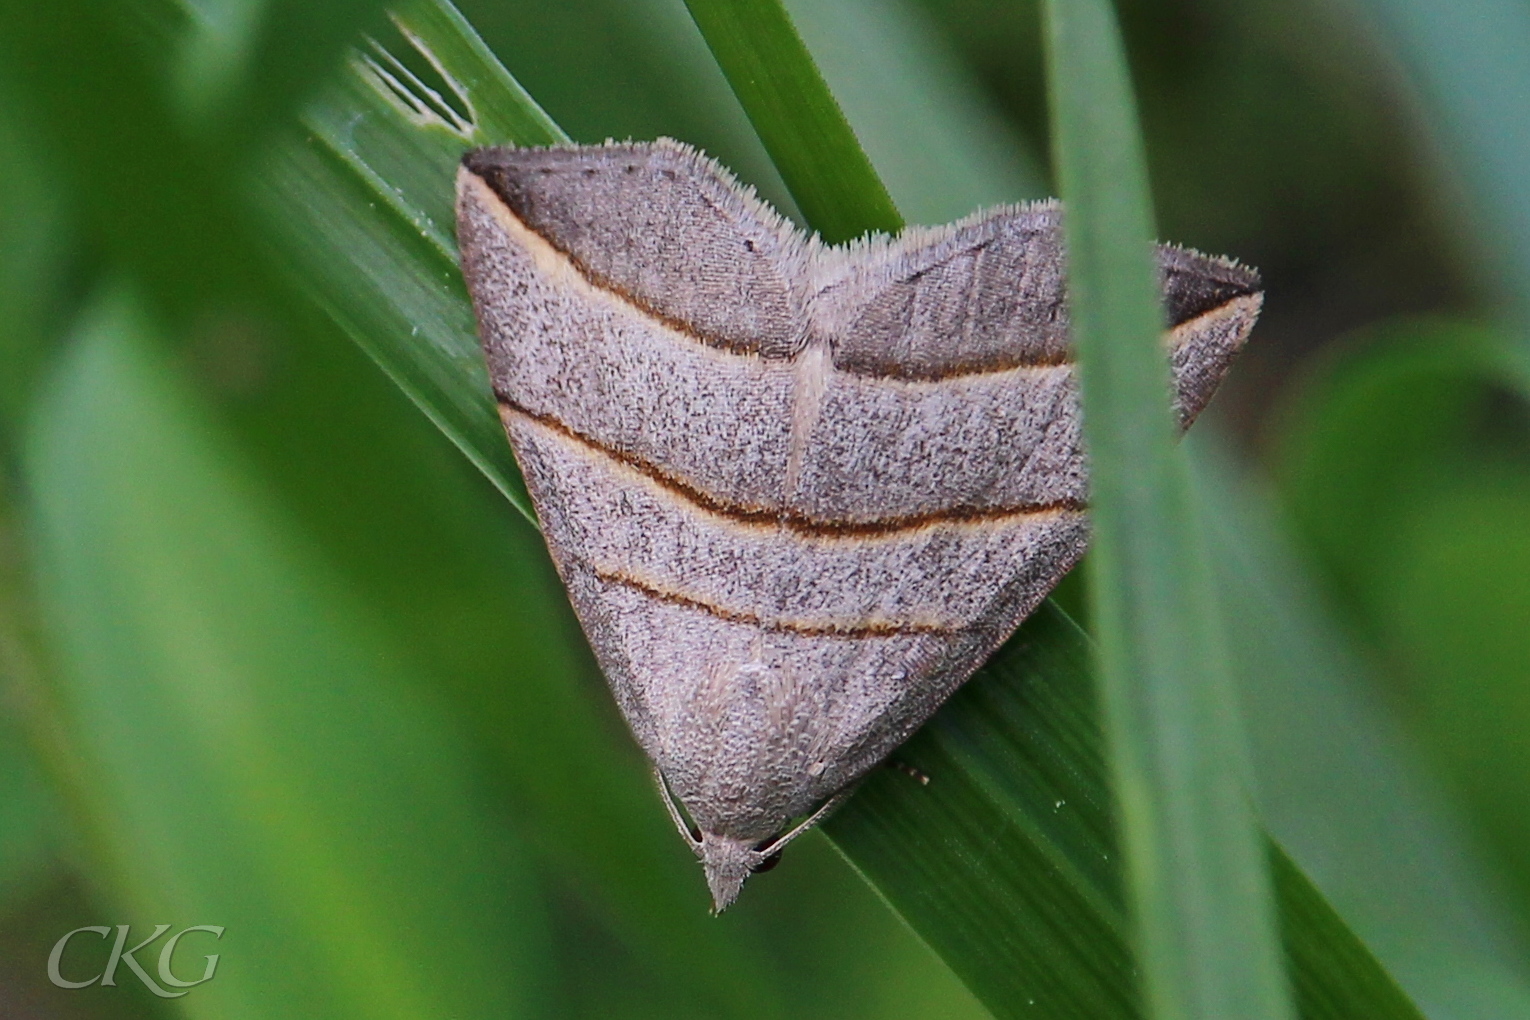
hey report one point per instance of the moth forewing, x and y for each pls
(797, 493)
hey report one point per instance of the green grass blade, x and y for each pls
(300, 792)
(1006, 863)
(362, 206)
(1334, 769)
(796, 117)
(1197, 878)
(933, 133)
(628, 69)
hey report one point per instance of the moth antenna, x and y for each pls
(829, 807)
(691, 838)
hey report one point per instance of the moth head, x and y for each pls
(728, 863)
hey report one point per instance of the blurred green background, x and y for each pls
(276, 656)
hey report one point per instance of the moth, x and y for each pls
(797, 492)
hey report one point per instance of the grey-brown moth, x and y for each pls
(797, 493)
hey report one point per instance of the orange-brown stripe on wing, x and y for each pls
(559, 346)
(934, 574)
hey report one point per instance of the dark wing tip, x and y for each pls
(487, 165)
(509, 170)
(1195, 284)
(473, 160)
(504, 169)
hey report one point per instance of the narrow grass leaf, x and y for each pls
(592, 64)
(1196, 873)
(361, 206)
(1333, 769)
(1005, 863)
(932, 131)
(796, 117)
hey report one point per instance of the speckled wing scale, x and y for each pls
(797, 493)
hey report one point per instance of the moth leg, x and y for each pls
(829, 807)
(910, 771)
(674, 811)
